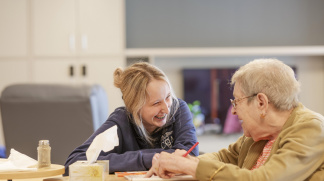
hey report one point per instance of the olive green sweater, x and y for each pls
(297, 154)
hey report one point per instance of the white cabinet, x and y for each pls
(56, 70)
(13, 71)
(13, 42)
(78, 41)
(54, 26)
(101, 71)
(101, 24)
(13, 28)
(78, 27)
(97, 71)
(42, 40)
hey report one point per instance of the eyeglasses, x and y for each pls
(235, 101)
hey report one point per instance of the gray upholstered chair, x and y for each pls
(66, 115)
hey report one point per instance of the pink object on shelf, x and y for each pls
(232, 123)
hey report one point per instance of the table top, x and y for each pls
(55, 170)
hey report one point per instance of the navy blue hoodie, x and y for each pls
(133, 152)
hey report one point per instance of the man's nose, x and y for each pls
(233, 111)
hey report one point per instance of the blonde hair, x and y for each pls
(133, 82)
(271, 77)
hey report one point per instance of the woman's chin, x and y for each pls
(160, 122)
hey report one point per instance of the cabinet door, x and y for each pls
(100, 71)
(55, 71)
(53, 27)
(101, 25)
(97, 71)
(13, 28)
(13, 71)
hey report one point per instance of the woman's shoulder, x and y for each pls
(182, 113)
(120, 117)
(304, 114)
(181, 101)
(182, 104)
(302, 117)
(120, 110)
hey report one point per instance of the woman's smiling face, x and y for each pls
(157, 105)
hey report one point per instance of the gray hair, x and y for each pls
(271, 77)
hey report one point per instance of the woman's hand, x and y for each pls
(182, 152)
(156, 169)
(179, 152)
(155, 166)
(155, 158)
(167, 165)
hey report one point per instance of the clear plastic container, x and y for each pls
(44, 154)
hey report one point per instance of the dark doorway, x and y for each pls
(211, 87)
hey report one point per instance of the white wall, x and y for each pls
(310, 72)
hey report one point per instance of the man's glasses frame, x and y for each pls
(235, 101)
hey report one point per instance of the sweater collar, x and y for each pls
(292, 116)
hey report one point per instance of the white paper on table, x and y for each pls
(17, 162)
(157, 178)
(104, 141)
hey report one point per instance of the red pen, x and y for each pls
(190, 149)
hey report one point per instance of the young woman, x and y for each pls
(153, 120)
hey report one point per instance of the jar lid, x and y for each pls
(43, 142)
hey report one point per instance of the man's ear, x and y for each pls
(263, 101)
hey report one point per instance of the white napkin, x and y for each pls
(17, 162)
(104, 141)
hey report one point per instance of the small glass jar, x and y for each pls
(44, 154)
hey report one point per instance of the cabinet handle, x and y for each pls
(84, 70)
(72, 42)
(84, 42)
(71, 68)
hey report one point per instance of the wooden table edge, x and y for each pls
(43, 172)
